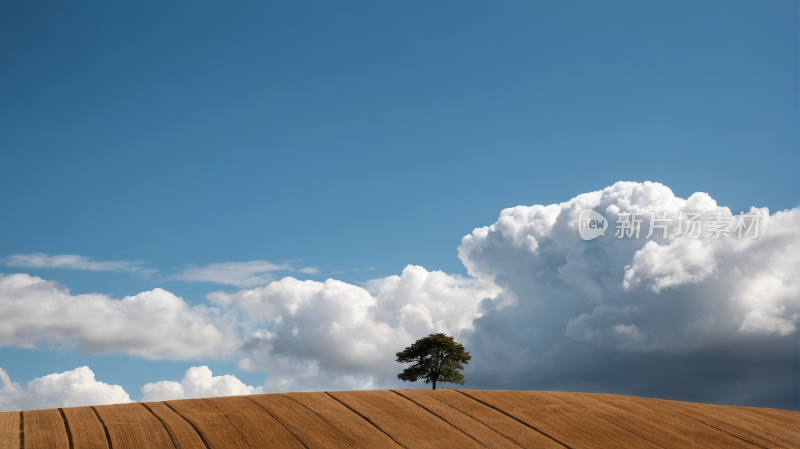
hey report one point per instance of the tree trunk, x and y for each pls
(434, 384)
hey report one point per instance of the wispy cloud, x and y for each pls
(240, 274)
(75, 262)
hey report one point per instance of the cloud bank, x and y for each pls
(154, 325)
(708, 320)
(78, 388)
(331, 334)
(701, 319)
(74, 262)
(198, 382)
(74, 388)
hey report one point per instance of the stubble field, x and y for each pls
(403, 419)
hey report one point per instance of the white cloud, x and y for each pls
(669, 266)
(239, 274)
(572, 279)
(68, 389)
(197, 383)
(74, 262)
(757, 321)
(78, 388)
(334, 334)
(623, 302)
(154, 325)
(704, 318)
(303, 334)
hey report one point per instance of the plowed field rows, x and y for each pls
(303, 423)
(786, 414)
(183, 434)
(44, 429)
(785, 430)
(407, 419)
(666, 437)
(707, 415)
(132, 426)
(85, 428)
(770, 418)
(519, 433)
(350, 425)
(568, 425)
(666, 417)
(235, 422)
(466, 424)
(406, 423)
(9, 430)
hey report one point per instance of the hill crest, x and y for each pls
(403, 419)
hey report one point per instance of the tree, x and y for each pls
(436, 357)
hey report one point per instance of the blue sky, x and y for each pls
(361, 137)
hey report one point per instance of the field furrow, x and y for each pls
(794, 416)
(407, 423)
(730, 424)
(466, 424)
(559, 420)
(44, 429)
(773, 425)
(301, 422)
(85, 428)
(233, 422)
(690, 428)
(183, 434)
(131, 426)
(791, 424)
(509, 427)
(650, 431)
(359, 432)
(259, 427)
(215, 427)
(404, 419)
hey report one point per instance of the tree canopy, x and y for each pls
(436, 357)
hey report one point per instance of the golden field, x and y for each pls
(403, 419)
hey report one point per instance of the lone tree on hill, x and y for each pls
(436, 357)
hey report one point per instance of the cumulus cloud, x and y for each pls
(68, 389)
(303, 334)
(239, 274)
(74, 262)
(333, 334)
(671, 265)
(198, 382)
(710, 320)
(79, 387)
(610, 313)
(154, 325)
